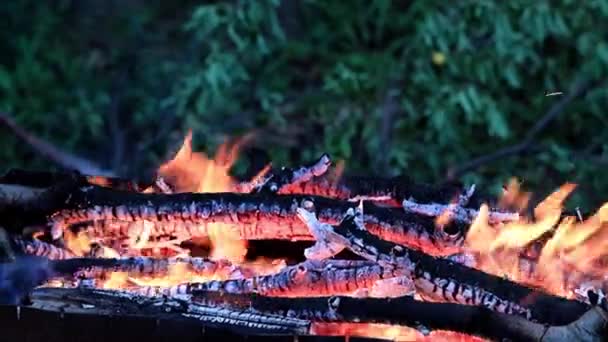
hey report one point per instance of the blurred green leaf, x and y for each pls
(316, 75)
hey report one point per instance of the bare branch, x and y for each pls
(580, 88)
(53, 153)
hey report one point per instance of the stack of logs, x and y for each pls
(375, 255)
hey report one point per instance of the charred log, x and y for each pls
(305, 180)
(146, 267)
(389, 190)
(297, 316)
(102, 302)
(307, 279)
(253, 216)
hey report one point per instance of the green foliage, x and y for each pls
(392, 87)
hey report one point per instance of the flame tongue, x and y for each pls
(192, 171)
(556, 254)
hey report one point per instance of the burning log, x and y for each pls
(152, 268)
(106, 302)
(193, 196)
(308, 316)
(438, 279)
(260, 314)
(298, 181)
(422, 316)
(251, 216)
(307, 279)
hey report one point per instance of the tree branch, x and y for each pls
(580, 88)
(52, 152)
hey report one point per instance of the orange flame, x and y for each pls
(553, 253)
(513, 197)
(548, 251)
(79, 243)
(386, 331)
(192, 171)
(116, 280)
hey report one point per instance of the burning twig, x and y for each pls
(152, 268)
(106, 302)
(163, 186)
(442, 280)
(457, 213)
(252, 216)
(579, 88)
(457, 210)
(275, 181)
(322, 249)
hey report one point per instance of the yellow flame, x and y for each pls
(116, 280)
(388, 332)
(558, 251)
(513, 197)
(79, 243)
(192, 171)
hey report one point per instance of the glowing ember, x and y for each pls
(117, 280)
(79, 243)
(192, 171)
(389, 332)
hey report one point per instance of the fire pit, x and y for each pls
(194, 252)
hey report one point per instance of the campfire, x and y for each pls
(367, 256)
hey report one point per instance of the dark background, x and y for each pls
(392, 87)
